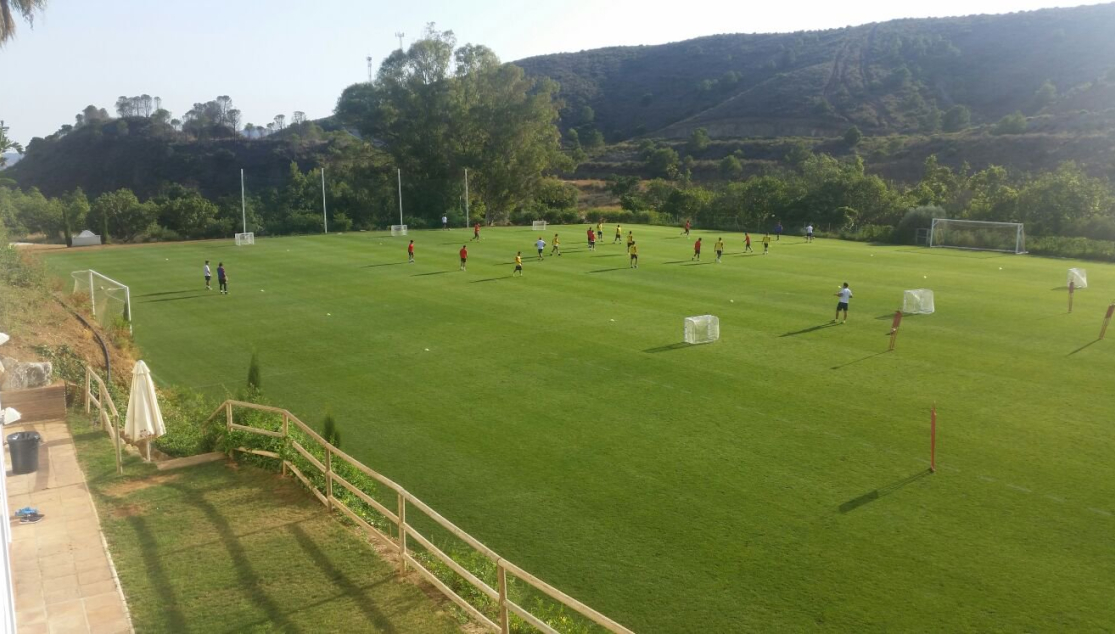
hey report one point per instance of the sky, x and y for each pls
(279, 56)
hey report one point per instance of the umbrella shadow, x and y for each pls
(882, 492)
(672, 346)
(1083, 347)
(808, 330)
(870, 356)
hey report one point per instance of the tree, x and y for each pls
(280, 121)
(698, 141)
(25, 8)
(730, 168)
(188, 214)
(1045, 95)
(298, 117)
(1010, 124)
(957, 118)
(663, 162)
(120, 214)
(74, 210)
(853, 136)
(7, 144)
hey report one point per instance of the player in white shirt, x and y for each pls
(445, 223)
(809, 233)
(845, 295)
(208, 276)
(541, 244)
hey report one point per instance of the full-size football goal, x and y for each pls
(978, 235)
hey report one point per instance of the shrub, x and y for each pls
(1076, 248)
(1010, 124)
(255, 378)
(184, 414)
(329, 430)
(917, 218)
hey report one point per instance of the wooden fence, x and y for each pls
(326, 458)
(107, 414)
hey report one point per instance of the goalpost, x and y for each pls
(398, 230)
(978, 235)
(244, 239)
(539, 225)
(108, 298)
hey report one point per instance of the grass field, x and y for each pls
(773, 481)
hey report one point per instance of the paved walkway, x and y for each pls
(64, 579)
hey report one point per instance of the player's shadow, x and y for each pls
(882, 492)
(1083, 347)
(885, 316)
(672, 346)
(870, 356)
(698, 263)
(187, 290)
(618, 268)
(171, 299)
(431, 273)
(614, 255)
(677, 262)
(808, 330)
(372, 266)
(490, 279)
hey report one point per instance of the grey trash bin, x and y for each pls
(24, 446)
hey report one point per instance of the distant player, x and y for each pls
(208, 276)
(600, 230)
(556, 247)
(445, 223)
(619, 234)
(766, 243)
(222, 278)
(747, 243)
(685, 231)
(476, 233)
(845, 294)
(630, 240)
(591, 239)
(696, 250)
(719, 249)
(464, 257)
(410, 252)
(778, 231)
(809, 233)
(518, 264)
(634, 251)
(541, 246)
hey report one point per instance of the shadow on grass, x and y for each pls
(870, 356)
(882, 492)
(490, 279)
(956, 253)
(372, 266)
(1059, 288)
(698, 263)
(173, 618)
(808, 330)
(431, 273)
(614, 255)
(672, 346)
(187, 290)
(618, 268)
(171, 299)
(1083, 347)
(677, 262)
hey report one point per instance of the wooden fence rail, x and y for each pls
(404, 531)
(107, 415)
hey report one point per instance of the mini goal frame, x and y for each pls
(398, 230)
(245, 239)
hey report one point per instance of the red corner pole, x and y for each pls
(1072, 289)
(894, 328)
(1107, 320)
(933, 439)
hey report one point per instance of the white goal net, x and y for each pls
(539, 225)
(1009, 237)
(702, 329)
(398, 230)
(108, 299)
(243, 239)
(1078, 278)
(918, 302)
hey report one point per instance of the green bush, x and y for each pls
(914, 219)
(1076, 248)
(184, 414)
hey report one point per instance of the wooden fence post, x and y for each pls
(286, 439)
(501, 572)
(402, 531)
(115, 429)
(228, 423)
(329, 476)
(88, 386)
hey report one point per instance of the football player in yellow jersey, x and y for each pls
(766, 243)
(556, 246)
(630, 240)
(619, 234)
(719, 248)
(518, 264)
(634, 251)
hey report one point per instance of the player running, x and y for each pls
(634, 251)
(464, 257)
(518, 264)
(778, 231)
(685, 230)
(809, 233)
(541, 245)
(591, 239)
(619, 234)
(719, 249)
(410, 252)
(845, 294)
(208, 276)
(476, 233)
(222, 278)
(747, 243)
(556, 246)
(696, 250)
(630, 240)
(766, 243)
(600, 230)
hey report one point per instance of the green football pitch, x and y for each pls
(775, 480)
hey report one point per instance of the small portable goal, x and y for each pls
(702, 329)
(539, 225)
(244, 239)
(918, 301)
(398, 230)
(1078, 278)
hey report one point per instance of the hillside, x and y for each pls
(896, 77)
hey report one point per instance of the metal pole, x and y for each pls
(466, 198)
(243, 204)
(324, 215)
(400, 171)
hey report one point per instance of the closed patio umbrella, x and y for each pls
(144, 420)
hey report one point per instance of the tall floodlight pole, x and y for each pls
(370, 69)
(324, 216)
(243, 203)
(400, 172)
(400, 35)
(466, 198)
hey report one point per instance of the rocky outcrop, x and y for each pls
(20, 375)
